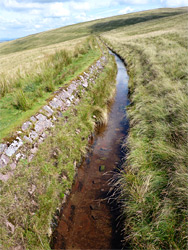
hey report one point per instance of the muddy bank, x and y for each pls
(88, 219)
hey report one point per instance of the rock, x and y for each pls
(102, 168)
(30, 157)
(40, 140)
(27, 139)
(68, 103)
(26, 125)
(34, 150)
(5, 177)
(71, 98)
(41, 117)
(44, 135)
(59, 114)
(41, 125)
(76, 101)
(33, 135)
(4, 160)
(85, 84)
(13, 165)
(82, 78)
(18, 156)
(70, 90)
(56, 103)
(63, 95)
(14, 147)
(33, 119)
(2, 147)
(48, 110)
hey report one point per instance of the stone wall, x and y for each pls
(33, 132)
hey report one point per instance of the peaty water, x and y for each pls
(88, 219)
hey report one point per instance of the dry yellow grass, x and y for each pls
(28, 60)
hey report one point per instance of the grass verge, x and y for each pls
(31, 198)
(153, 184)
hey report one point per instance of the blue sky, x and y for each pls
(20, 18)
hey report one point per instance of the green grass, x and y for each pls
(153, 184)
(29, 93)
(50, 175)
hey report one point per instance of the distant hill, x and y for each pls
(84, 29)
(5, 40)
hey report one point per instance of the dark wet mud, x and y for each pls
(88, 219)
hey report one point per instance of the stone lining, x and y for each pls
(37, 128)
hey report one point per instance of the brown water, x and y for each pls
(88, 219)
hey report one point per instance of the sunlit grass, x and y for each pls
(153, 184)
(29, 92)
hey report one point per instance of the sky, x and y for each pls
(19, 18)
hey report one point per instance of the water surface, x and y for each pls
(88, 220)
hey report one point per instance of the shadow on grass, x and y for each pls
(110, 25)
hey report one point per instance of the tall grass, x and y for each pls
(47, 70)
(32, 198)
(153, 185)
(21, 101)
(24, 96)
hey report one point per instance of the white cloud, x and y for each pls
(132, 2)
(56, 10)
(23, 17)
(80, 6)
(19, 6)
(174, 3)
(126, 10)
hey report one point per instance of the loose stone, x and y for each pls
(14, 147)
(41, 117)
(5, 177)
(34, 150)
(26, 125)
(49, 110)
(56, 103)
(2, 148)
(41, 125)
(4, 161)
(13, 165)
(33, 119)
(85, 84)
(18, 156)
(27, 139)
(33, 135)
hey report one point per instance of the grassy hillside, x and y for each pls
(22, 58)
(153, 184)
(71, 32)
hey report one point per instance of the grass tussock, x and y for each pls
(32, 198)
(21, 101)
(153, 184)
